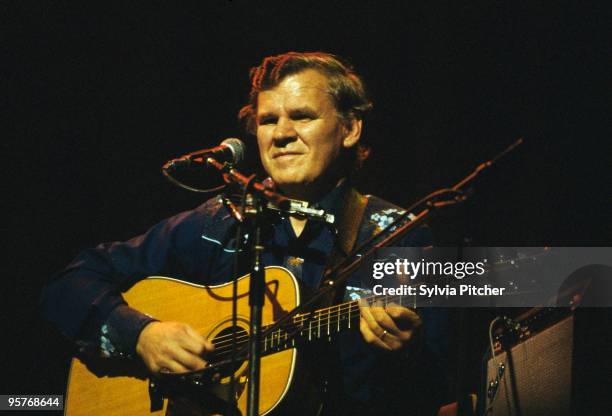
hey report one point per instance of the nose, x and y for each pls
(284, 132)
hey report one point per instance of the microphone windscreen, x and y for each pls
(237, 147)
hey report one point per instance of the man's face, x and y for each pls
(300, 133)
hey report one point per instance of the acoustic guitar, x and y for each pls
(124, 387)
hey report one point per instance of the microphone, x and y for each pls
(230, 150)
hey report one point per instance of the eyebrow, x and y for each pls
(303, 110)
(298, 110)
(265, 115)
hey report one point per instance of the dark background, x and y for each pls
(97, 98)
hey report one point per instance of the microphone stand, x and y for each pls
(256, 302)
(258, 196)
(257, 282)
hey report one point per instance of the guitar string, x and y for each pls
(349, 308)
(341, 308)
(322, 320)
(283, 332)
(220, 352)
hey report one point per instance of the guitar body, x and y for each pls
(101, 387)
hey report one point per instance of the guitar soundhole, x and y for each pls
(223, 351)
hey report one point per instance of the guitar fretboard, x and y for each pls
(324, 323)
(320, 325)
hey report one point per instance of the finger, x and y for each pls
(370, 337)
(189, 360)
(383, 336)
(384, 320)
(195, 342)
(173, 367)
(379, 321)
(407, 320)
(151, 365)
(403, 317)
(366, 313)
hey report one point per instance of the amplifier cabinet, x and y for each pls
(562, 369)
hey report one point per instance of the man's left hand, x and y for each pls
(390, 327)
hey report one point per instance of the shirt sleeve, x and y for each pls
(118, 335)
(84, 300)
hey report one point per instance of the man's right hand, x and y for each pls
(172, 347)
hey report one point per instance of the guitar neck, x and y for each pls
(323, 324)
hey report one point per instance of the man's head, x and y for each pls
(306, 110)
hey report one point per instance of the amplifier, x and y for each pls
(553, 362)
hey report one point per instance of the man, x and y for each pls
(307, 111)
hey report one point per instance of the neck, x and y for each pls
(311, 193)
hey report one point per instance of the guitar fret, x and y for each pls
(349, 315)
(310, 330)
(301, 325)
(328, 319)
(339, 316)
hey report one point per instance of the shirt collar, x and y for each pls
(331, 203)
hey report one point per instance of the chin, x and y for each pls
(289, 178)
(289, 183)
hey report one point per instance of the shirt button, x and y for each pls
(295, 261)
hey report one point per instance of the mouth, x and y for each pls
(285, 154)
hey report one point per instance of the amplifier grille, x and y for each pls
(542, 380)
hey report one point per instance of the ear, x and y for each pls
(352, 133)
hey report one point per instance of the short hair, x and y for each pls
(346, 88)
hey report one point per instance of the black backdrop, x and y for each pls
(98, 97)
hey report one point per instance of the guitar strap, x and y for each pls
(350, 215)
